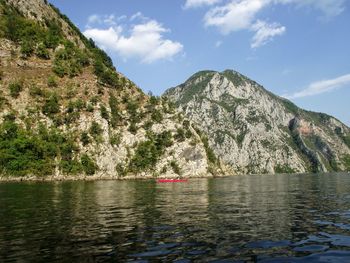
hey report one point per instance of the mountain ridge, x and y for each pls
(237, 113)
(66, 111)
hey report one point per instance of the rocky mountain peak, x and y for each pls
(254, 131)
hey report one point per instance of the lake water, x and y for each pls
(285, 218)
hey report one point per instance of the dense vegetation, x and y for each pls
(56, 127)
(32, 37)
(42, 39)
(147, 153)
(24, 152)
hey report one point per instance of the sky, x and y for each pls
(298, 49)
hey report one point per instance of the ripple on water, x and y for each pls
(325, 257)
(149, 254)
(311, 248)
(268, 244)
(240, 219)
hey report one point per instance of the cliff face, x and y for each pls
(254, 131)
(65, 110)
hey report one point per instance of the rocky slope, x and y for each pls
(254, 131)
(64, 110)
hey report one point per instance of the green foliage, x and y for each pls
(180, 135)
(346, 161)
(148, 152)
(146, 157)
(311, 156)
(70, 60)
(35, 91)
(54, 35)
(51, 105)
(157, 116)
(132, 128)
(27, 48)
(85, 138)
(89, 108)
(25, 155)
(31, 36)
(68, 151)
(121, 170)
(104, 73)
(197, 87)
(95, 130)
(240, 138)
(70, 167)
(115, 116)
(290, 106)
(19, 29)
(94, 100)
(115, 139)
(344, 137)
(148, 125)
(42, 52)
(132, 108)
(175, 166)
(89, 166)
(71, 25)
(284, 169)
(15, 89)
(236, 78)
(153, 100)
(104, 112)
(102, 56)
(103, 66)
(73, 111)
(210, 153)
(24, 152)
(51, 82)
(347, 140)
(164, 139)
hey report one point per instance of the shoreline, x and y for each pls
(9, 179)
(84, 178)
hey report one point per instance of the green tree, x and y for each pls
(88, 164)
(51, 105)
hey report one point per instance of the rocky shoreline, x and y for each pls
(91, 178)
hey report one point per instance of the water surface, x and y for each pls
(285, 218)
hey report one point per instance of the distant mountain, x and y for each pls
(252, 130)
(65, 110)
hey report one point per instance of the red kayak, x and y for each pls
(172, 180)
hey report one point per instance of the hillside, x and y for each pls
(254, 131)
(65, 110)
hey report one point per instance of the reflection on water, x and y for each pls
(295, 218)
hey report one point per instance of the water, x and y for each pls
(295, 218)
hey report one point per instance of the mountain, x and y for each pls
(65, 110)
(254, 131)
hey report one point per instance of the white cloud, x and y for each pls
(236, 15)
(199, 3)
(321, 87)
(144, 41)
(94, 19)
(138, 16)
(109, 20)
(265, 33)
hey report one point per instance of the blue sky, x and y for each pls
(295, 48)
